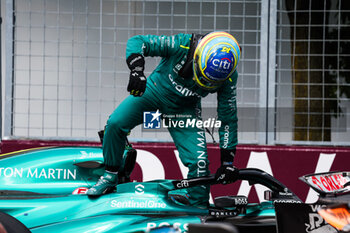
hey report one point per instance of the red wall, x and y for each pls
(286, 163)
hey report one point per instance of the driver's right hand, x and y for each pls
(137, 83)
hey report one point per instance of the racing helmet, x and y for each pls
(215, 59)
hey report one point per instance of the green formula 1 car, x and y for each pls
(43, 190)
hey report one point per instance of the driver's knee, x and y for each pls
(117, 125)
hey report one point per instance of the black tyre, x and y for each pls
(10, 224)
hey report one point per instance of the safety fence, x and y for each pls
(64, 67)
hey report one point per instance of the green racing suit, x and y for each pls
(171, 94)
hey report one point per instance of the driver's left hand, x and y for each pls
(226, 174)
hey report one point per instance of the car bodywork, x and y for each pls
(332, 189)
(54, 170)
(39, 189)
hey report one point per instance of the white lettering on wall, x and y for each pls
(151, 166)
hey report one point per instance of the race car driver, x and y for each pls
(191, 67)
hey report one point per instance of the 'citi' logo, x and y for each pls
(224, 63)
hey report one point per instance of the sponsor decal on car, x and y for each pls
(182, 184)
(81, 190)
(300, 217)
(223, 213)
(286, 201)
(316, 223)
(85, 154)
(178, 225)
(39, 173)
(139, 189)
(241, 201)
(331, 182)
(137, 204)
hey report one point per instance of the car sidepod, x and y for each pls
(55, 170)
(118, 223)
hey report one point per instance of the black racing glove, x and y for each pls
(137, 80)
(227, 173)
(137, 83)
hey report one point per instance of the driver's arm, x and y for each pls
(141, 46)
(152, 45)
(227, 114)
